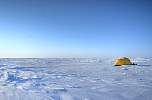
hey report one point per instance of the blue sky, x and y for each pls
(75, 28)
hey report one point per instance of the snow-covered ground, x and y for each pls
(74, 79)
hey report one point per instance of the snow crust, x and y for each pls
(74, 79)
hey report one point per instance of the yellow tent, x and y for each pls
(123, 61)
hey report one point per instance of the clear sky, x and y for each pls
(75, 28)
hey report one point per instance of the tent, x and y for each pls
(123, 61)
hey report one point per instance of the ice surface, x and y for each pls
(74, 79)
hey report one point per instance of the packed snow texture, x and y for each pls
(74, 79)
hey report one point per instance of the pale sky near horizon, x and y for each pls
(75, 28)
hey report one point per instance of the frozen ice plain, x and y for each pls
(74, 79)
